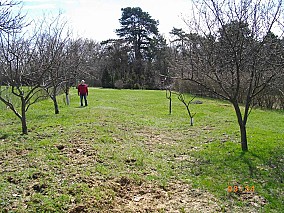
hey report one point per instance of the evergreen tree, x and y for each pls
(138, 30)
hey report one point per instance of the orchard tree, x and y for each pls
(22, 75)
(234, 59)
(25, 63)
(51, 52)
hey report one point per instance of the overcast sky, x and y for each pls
(98, 19)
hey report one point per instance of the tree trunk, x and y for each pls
(56, 109)
(169, 96)
(244, 141)
(67, 100)
(242, 126)
(67, 95)
(23, 117)
(24, 126)
(188, 111)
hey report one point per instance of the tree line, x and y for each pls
(232, 50)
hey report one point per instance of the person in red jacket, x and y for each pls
(83, 92)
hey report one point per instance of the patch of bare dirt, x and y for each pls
(141, 197)
(131, 196)
(79, 151)
(176, 197)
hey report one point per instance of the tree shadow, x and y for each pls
(245, 158)
(274, 164)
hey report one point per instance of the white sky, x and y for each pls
(98, 19)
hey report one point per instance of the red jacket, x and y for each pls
(83, 89)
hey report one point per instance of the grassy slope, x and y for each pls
(128, 133)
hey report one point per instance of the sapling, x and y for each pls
(182, 99)
(169, 96)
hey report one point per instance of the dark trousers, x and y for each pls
(83, 96)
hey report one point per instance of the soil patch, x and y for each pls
(131, 196)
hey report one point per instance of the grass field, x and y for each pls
(125, 153)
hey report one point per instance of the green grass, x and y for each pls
(129, 135)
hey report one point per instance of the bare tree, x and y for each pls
(53, 40)
(20, 74)
(186, 104)
(26, 64)
(234, 60)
